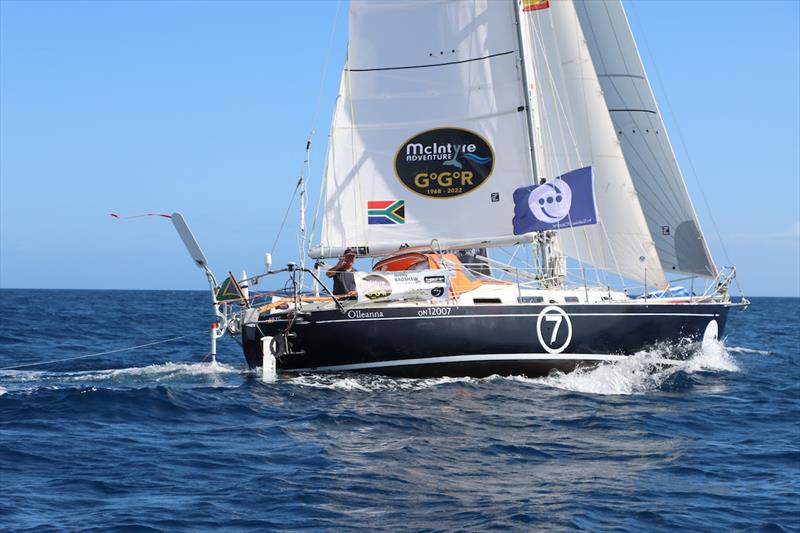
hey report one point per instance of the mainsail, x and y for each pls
(643, 137)
(430, 119)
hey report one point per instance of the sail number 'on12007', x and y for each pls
(434, 311)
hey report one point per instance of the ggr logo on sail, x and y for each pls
(444, 162)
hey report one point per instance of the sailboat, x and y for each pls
(467, 130)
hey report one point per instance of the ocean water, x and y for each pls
(156, 439)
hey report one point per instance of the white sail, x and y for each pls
(429, 137)
(574, 130)
(643, 137)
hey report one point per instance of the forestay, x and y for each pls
(429, 137)
(575, 130)
(643, 137)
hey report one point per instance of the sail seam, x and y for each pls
(490, 56)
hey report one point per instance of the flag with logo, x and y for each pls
(565, 202)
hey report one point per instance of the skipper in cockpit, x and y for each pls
(344, 283)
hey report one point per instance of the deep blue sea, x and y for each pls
(154, 439)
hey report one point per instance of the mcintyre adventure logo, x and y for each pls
(444, 162)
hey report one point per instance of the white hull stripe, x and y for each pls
(477, 358)
(529, 315)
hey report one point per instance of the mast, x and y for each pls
(526, 91)
(548, 261)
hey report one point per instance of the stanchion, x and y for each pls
(214, 342)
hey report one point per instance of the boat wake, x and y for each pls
(115, 378)
(644, 372)
(370, 383)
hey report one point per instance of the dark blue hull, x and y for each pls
(481, 340)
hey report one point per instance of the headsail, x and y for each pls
(643, 137)
(430, 117)
(575, 131)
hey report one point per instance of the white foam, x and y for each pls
(639, 373)
(369, 383)
(742, 349)
(713, 356)
(159, 372)
(165, 372)
(635, 374)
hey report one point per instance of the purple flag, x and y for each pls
(564, 202)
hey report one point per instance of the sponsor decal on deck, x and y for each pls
(421, 285)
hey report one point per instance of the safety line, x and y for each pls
(14, 367)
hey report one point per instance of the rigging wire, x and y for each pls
(323, 77)
(285, 216)
(565, 113)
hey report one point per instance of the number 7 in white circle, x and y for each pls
(557, 318)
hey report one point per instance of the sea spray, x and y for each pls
(643, 372)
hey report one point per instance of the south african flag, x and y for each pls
(386, 211)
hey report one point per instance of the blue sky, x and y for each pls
(204, 108)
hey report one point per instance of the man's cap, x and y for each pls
(349, 251)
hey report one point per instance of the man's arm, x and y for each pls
(336, 268)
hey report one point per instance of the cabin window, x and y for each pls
(571, 299)
(530, 299)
